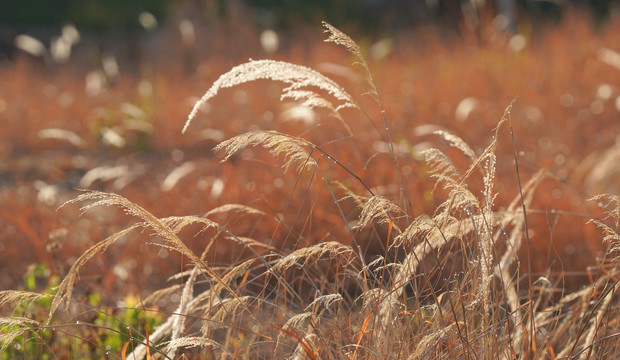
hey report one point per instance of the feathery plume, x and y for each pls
(7, 337)
(339, 38)
(197, 341)
(291, 148)
(313, 100)
(295, 76)
(234, 208)
(19, 296)
(164, 228)
(458, 143)
(378, 209)
(177, 174)
(330, 248)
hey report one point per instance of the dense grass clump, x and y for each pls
(385, 280)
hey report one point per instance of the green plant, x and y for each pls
(26, 335)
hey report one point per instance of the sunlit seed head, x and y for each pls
(531, 233)
(70, 34)
(381, 146)
(132, 111)
(517, 43)
(176, 175)
(217, 188)
(61, 134)
(110, 66)
(300, 113)
(121, 272)
(188, 32)
(464, 108)
(30, 45)
(112, 138)
(147, 21)
(95, 83)
(381, 49)
(604, 92)
(212, 134)
(426, 129)
(269, 41)
(60, 49)
(609, 57)
(205, 108)
(403, 147)
(48, 194)
(501, 22)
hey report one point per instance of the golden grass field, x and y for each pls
(422, 241)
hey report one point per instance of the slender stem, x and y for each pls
(527, 237)
(344, 167)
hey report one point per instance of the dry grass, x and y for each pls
(353, 259)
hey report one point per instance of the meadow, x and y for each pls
(419, 196)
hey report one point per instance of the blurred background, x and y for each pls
(367, 16)
(94, 94)
(115, 21)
